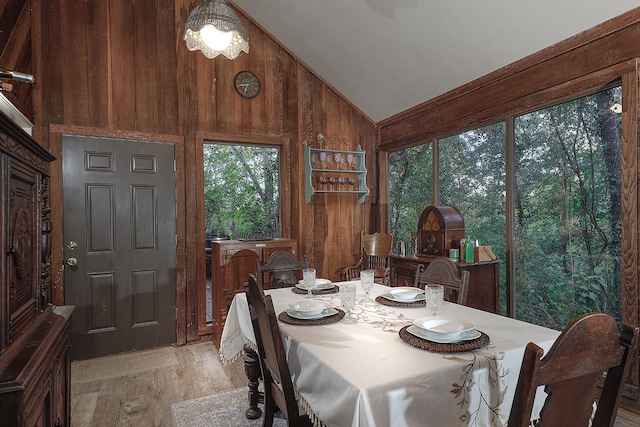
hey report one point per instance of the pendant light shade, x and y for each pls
(214, 28)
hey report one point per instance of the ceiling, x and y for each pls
(387, 56)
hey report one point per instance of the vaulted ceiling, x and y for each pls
(387, 56)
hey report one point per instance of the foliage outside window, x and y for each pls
(567, 215)
(472, 178)
(410, 173)
(568, 211)
(242, 190)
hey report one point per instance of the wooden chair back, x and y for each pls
(284, 268)
(278, 386)
(442, 271)
(570, 372)
(376, 249)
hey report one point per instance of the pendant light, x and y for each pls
(215, 29)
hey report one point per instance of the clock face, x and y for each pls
(247, 84)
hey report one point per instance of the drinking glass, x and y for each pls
(434, 295)
(366, 280)
(309, 280)
(348, 300)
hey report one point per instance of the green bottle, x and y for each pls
(468, 250)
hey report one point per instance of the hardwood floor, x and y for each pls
(137, 389)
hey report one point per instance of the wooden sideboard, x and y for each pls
(231, 263)
(484, 279)
(34, 334)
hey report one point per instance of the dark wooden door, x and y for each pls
(119, 212)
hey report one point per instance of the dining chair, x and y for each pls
(283, 266)
(442, 271)
(278, 387)
(587, 348)
(374, 255)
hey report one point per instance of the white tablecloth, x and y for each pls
(364, 375)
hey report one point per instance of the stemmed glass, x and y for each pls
(366, 280)
(348, 300)
(434, 295)
(309, 280)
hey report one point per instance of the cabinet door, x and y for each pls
(235, 273)
(22, 246)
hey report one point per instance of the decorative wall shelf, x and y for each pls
(335, 171)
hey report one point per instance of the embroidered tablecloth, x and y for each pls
(364, 375)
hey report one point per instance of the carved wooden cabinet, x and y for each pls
(34, 335)
(231, 263)
(484, 279)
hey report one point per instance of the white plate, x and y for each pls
(319, 285)
(443, 327)
(308, 307)
(329, 311)
(469, 335)
(406, 292)
(391, 297)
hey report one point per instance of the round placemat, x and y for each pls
(284, 317)
(382, 300)
(332, 290)
(454, 347)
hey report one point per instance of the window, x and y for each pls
(410, 177)
(472, 178)
(567, 208)
(242, 190)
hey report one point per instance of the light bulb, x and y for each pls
(214, 38)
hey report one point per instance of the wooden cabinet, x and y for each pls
(34, 335)
(484, 279)
(231, 263)
(335, 171)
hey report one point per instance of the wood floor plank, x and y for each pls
(142, 397)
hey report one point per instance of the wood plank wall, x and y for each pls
(120, 68)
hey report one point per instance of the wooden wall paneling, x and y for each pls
(50, 87)
(302, 223)
(84, 75)
(630, 207)
(144, 66)
(121, 78)
(187, 71)
(273, 78)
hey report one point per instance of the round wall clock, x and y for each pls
(247, 84)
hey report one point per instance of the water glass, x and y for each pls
(434, 296)
(366, 280)
(309, 280)
(348, 300)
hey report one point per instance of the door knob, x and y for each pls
(72, 261)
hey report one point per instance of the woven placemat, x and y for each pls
(332, 290)
(284, 317)
(454, 347)
(382, 300)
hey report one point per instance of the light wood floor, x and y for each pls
(137, 389)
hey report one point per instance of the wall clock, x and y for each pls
(247, 84)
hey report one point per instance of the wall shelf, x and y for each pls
(335, 171)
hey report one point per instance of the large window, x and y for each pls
(241, 190)
(565, 189)
(567, 210)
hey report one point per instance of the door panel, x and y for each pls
(119, 235)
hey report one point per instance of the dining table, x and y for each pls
(373, 373)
